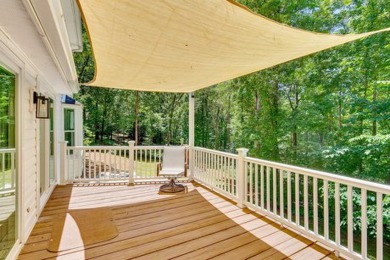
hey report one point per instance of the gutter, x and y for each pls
(64, 62)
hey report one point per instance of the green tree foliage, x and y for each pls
(328, 111)
(7, 109)
(323, 111)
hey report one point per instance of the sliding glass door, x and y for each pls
(8, 171)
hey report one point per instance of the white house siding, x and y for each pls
(26, 142)
(28, 157)
(24, 53)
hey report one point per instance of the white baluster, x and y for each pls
(63, 145)
(131, 162)
(350, 218)
(274, 191)
(297, 217)
(364, 222)
(326, 210)
(268, 189)
(3, 169)
(315, 204)
(289, 196)
(262, 186)
(337, 212)
(281, 191)
(379, 226)
(256, 185)
(306, 202)
(250, 182)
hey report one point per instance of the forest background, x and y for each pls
(329, 111)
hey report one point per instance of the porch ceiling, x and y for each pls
(183, 46)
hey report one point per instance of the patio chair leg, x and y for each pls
(172, 187)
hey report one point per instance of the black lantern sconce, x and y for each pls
(42, 106)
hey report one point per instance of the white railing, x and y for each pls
(111, 163)
(146, 161)
(283, 192)
(326, 207)
(216, 170)
(99, 163)
(8, 170)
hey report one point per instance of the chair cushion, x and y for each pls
(172, 172)
(174, 157)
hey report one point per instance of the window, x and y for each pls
(7, 163)
(7, 109)
(69, 126)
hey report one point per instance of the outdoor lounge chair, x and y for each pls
(173, 166)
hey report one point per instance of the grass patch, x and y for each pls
(6, 179)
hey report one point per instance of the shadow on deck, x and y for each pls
(199, 224)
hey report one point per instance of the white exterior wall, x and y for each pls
(26, 141)
(30, 202)
(28, 155)
(25, 54)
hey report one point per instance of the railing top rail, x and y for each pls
(97, 147)
(8, 150)
(371, 186)
(107, 147)
(142, 147)
(231, 155)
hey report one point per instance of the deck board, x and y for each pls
(199, 224)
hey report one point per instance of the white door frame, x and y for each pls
(43, 197)
(14, 65)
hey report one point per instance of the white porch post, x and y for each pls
(240, 176)
(131, 162)
(63, 145)
(191, 125)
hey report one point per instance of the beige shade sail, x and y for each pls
(186, 45)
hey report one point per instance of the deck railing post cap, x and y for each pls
(131, 142)
(242, 151)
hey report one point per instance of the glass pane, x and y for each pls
(7, 163)
(51, 115)
(69, 136)
(7, 109)
(42, 155)
(51, 159)
(69, 119)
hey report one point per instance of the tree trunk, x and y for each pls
(257, 104)
(103, 123)
(321, 138)
(295, 139)
(339, 116)
(294, 104)
(170, 127)
(374, 122)
(365, 85)
(275, 123)
(96, 122)
(227, 137)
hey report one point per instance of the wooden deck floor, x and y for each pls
(196, 225)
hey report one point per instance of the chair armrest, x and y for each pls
(158, 166)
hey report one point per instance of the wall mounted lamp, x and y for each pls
(42, 106)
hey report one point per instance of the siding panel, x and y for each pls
(29, 160)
